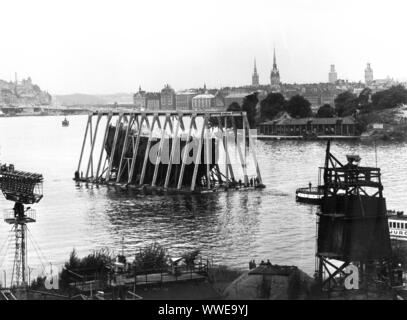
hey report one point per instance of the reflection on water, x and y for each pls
(231, 227)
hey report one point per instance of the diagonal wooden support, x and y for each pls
(252, 145)
(228, 165)
(143, 170)
(186, 151)
(111, 158)
(84, 141)
(198, 156)
(129, 124)
(135, 146)
(160, 149)
(175, 143)
(90, 162)
(242, 160)
(109, 118)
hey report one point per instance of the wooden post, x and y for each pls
(113, 150)
(186, 151)
(129, 124)
(160, 149)
(175, 141)
(198, 157)
(93, 146)
(246, 179)
(109, 118)
(208, 158)
(246, 122)
(135, 146)
(143, 170)
(84, 141)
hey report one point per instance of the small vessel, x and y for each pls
(312, 195)
(65, 123)
(397, 225)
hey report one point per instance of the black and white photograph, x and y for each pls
(203, 154)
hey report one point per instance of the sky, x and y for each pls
(104, 47)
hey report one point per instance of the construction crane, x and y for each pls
(22, 188)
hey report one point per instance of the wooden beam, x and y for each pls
(186, 152)
(109, 118)
(160, 149)
(93, 147)
(129, 124)
(208, 158)
(84, 141)
(256, 163)
(135, 146)
(113, 150)
(175, 141)
(143, 170)
(198, 157)
(243, 163)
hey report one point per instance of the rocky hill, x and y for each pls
(22, 94)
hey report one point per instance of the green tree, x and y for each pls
(364, 99)
(249, 106)
(271, 106)
(234, 106)
(346, 103)
(326, 111)
(390, 98)
(299, 107)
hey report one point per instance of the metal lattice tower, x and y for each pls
(22, 188)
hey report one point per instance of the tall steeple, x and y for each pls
(275, 74)
(274, 59)
(255, 76)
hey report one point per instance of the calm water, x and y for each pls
(232, 227)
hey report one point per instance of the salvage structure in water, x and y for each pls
(169, 151)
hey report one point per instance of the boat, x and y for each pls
(397, 225)
(65, 123)
(312, 195)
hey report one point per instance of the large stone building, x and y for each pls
(153, 100)
(275, 83)
(204, 102)
(237, 97)
(368, 74)
(255, 76)
(333, 76)
(183, 99)
(167, 98)
(139, 99)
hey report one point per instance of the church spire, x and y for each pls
(255, 76)
(274, 58)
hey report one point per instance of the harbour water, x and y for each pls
(230, 227)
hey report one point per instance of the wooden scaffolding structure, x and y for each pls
(118, 166)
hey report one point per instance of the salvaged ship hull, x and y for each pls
(151, 164)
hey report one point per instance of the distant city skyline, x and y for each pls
(109, 47)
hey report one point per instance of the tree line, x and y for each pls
(345, 104)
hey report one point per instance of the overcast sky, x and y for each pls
(70, 46)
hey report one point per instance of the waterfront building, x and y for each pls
(255, 76)
(205, 101)
(368, 74)
(167, 98)
(153, 100)
(183, 99)
(287, 126)
(275, 75)
(333, 76)
(139, 99)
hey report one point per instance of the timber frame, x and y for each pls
(99, 166)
